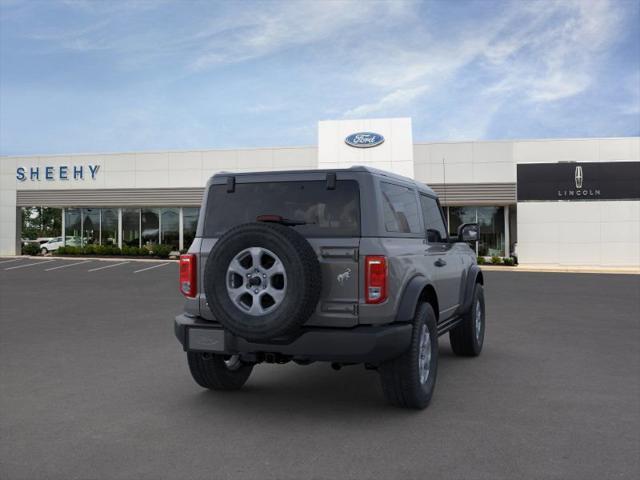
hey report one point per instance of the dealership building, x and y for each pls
(560, 202)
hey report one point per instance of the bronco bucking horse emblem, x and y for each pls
(346, 275)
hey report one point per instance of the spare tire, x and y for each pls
(262, 281)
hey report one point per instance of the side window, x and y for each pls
(433, 221)
(400, 209)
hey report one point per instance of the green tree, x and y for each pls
(41, 222)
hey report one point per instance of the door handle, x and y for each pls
(439, 263)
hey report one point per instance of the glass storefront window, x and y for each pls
(460, 215)
(109, 226)
(170, 227)
(150, 226)
(491, 220)
(131, 227)
(190, 223)
(41, 222)
(90, 226)
(72, 227)
(140, 226)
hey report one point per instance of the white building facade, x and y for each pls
(561, 202)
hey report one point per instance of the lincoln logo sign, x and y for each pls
(579, 177)
(61, 172)
(579, 191)
(569, 181)
(364, 139)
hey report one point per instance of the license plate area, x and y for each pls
(205, 339)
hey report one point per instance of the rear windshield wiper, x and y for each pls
(279, 219)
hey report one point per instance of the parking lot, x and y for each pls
(93, 385)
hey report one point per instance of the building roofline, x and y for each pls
(145, 152)
(519, 140)
(296, 147)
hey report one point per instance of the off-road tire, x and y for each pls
(210, 371)
(400, 377)
(304, 281)
(463, 338)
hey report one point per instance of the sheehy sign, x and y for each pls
(60, 172)
(576, 181)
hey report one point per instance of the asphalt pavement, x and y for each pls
(93, 385)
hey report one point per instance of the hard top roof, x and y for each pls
(356, 168)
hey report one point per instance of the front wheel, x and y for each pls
(218, 372)
(409, 380)
(468, 337)
(44, 251)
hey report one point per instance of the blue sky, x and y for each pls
(92, 76)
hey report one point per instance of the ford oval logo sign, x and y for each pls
(364, 139)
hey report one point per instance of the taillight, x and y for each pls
(188, 270)
(375, 279)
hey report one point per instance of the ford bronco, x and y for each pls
(348, 266)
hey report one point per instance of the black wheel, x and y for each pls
(467, 338)
(409, 380)
(218, 372)
(262, 281)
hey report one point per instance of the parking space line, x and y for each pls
(30, 264)
(149, 268)
(108, 266)
(65, 266)
(9, 261)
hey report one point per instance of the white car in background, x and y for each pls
(57, 242)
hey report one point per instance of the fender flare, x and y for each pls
(474, 275)
(410, 297)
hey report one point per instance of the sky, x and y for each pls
(86, 76)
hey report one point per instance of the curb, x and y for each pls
(98, 259)
(540, 269)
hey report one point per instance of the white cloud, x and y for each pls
(538, 51)
(398, 98)
(259, 32)
(552, 56)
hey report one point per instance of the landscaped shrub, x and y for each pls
(161, 251)
(496, 260)
(107, 250)
(508, 261)
(31, 249)
(481, 260)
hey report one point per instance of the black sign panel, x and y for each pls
(577, 181)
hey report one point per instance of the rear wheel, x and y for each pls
(409, 380)
(218, 372)
(468, 337)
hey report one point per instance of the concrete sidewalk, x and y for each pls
(561, 269)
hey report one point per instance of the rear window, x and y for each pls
(326, 213)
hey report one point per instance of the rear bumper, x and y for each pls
(362, 344)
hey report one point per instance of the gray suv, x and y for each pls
(345, 266)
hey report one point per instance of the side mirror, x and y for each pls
(469, 232)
